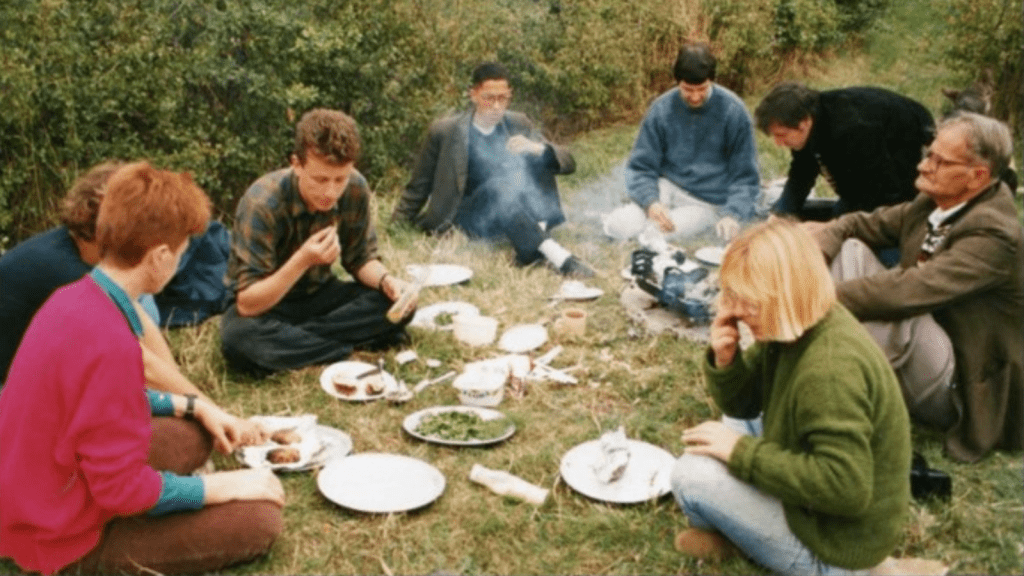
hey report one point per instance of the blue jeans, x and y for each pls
(715, 500)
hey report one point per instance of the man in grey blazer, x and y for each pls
(490, 173)
(950, 315)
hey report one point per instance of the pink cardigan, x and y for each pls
(74, 431)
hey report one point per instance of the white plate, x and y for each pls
(439, 274)
(352, 369)
(412, 421)
(646, 476)
(576, 290)
(308, 446)
(333, 444)
(380, 483)
(426, 317)
(523, 338)
(711, 255)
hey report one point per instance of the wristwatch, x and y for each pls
(190, 407)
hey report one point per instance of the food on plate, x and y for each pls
(461, 426)
(444, 319)
(286, 436)
(614, 456)
(374, 385)
(344, 385)
(283, 455)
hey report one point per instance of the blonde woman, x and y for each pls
(808, 471)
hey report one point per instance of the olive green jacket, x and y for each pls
(836, 442)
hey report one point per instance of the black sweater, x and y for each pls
(867, 142)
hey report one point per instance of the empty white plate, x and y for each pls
(523, 338)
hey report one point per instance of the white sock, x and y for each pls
(554, 252)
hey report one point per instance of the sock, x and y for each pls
(554, 252)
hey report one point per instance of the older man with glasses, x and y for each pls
(950, 314)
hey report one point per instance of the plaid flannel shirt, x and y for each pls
(272, 222)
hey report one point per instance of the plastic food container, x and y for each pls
(475, 330)
(482, 387)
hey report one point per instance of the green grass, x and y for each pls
(649, 384)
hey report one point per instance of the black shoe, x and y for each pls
(573, 267)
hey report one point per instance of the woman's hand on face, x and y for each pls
(711, 438)
(725, 337)
(248, 484)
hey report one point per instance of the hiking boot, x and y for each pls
(573, 267)
(705, 545)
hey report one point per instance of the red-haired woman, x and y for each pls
(77, 489)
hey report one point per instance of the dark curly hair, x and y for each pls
(329, 133)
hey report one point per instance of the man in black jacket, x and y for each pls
(866, 142)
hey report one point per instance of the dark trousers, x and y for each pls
(185, 542)
(495, 213)
(322, 328)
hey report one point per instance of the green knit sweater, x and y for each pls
(836, 444)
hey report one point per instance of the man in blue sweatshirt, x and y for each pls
(694, 164)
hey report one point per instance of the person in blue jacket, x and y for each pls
(694, 164)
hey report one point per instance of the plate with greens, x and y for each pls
(441, 316)
(459, 425)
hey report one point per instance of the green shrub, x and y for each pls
(989, 34)
(806, 24)
(214, 87)
(859, 15)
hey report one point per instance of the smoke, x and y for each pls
(513, 186)
(586, 206)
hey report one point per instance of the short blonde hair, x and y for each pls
(779, 267)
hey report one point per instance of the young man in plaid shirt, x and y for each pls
(290, 309)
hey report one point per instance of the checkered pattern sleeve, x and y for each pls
(356, 230)
(253, 255)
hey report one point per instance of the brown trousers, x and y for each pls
(185, 542)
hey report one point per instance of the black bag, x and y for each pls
(928, 482)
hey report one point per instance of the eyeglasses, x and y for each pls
(492, 99)
(939, 162)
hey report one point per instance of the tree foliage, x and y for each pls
(214, 87)
(989, 35)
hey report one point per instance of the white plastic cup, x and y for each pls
(482, 387)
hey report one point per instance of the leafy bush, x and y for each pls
(191, 85)
(214, 87)
(858, 15)
(989, 34)
(806, 24)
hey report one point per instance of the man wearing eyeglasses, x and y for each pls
(950, 316)
(864, 141)
(490, 173)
